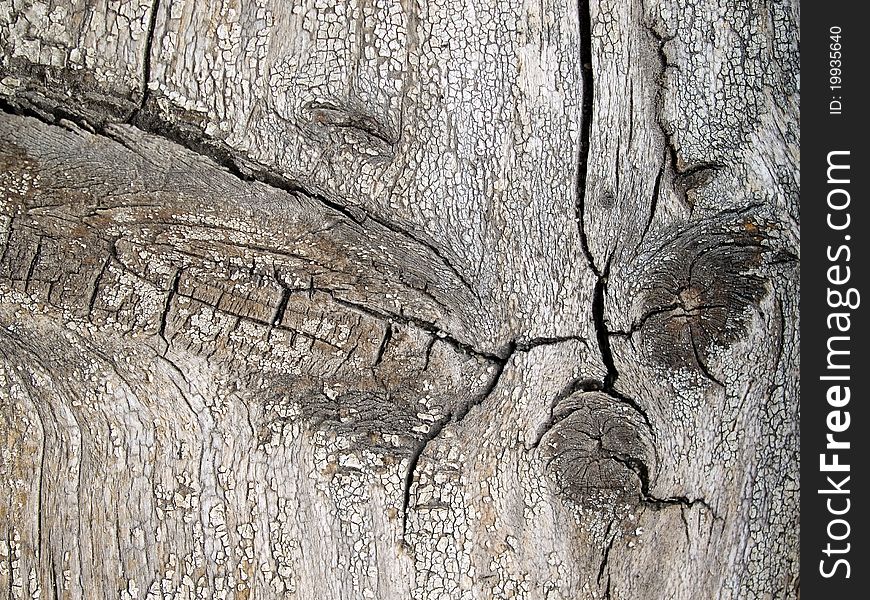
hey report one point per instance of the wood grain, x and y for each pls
(399, 299)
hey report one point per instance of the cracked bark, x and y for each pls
(407, 300)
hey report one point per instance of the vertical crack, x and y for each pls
(656, 193)
(701, 364)
(146, 60)
(603, 337)
(164, 315)
(55, 587)
(92, 301)
(385, 341)
(601, 331)
(11, 556)
(436, 429)
(493, 382)
(281, 309)
(428, 354)
(40, 510)
(598, 298)
(605, 555)
(7, 243)
(33, 262)
(586, 105)
(686, 526)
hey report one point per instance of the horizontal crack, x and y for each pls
(430, 328)
(249, 172)
(242, 168)
(532, 343)
(639, 468)
(678, 309)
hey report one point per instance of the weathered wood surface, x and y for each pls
(398, 299)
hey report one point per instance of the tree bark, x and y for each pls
(399, 299)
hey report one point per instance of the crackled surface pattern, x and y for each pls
(398, 299)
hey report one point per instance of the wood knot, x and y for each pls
(598, 450)
(362, 127)
(697, 290)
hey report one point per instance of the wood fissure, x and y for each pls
(584, 18)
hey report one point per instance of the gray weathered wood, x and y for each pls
(399, 299)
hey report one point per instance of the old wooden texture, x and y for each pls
(399, 299)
